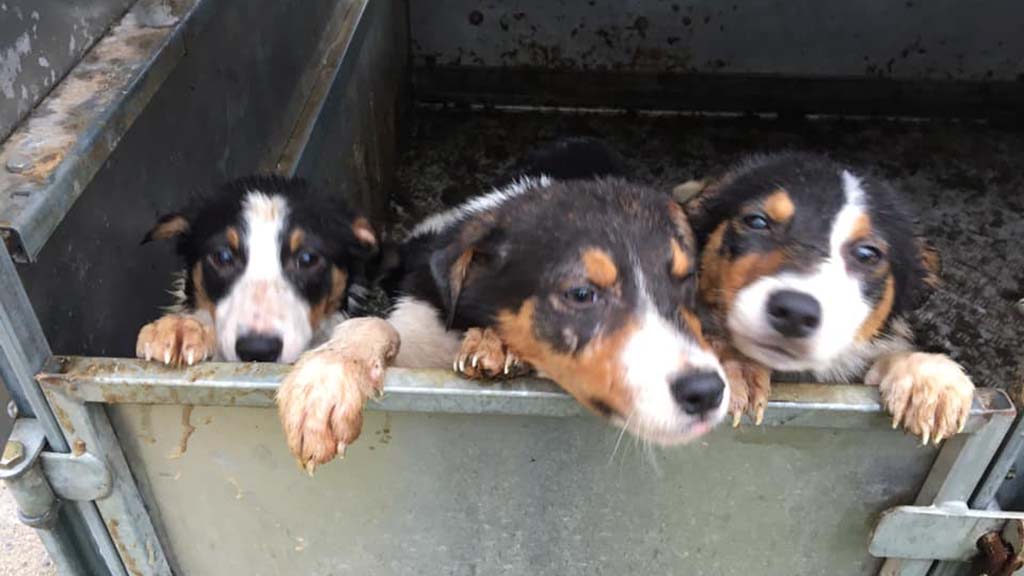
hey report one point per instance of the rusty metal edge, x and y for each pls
(26, 230)
(130, 381)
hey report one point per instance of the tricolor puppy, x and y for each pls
(589, 281)
(268, 267)
(810, 266)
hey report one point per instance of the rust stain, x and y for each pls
(62, 417)
(78, 447)
(186, 433)
(129, 561)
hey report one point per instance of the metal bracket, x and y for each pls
(949, 531)
(40, 480)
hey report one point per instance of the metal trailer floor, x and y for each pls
(964, 179)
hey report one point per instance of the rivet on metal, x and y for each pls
(14, 451)
(18, 163)
(12, 410)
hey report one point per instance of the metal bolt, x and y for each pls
(18, 163)
(14, 451)
(1020, 305)
(12, 410)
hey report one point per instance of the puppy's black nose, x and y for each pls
(793, 314)
(258, 348)
(698, 392)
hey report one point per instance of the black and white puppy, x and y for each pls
(591, 281)
(811, 266)
(268, 267)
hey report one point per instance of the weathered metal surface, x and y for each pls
(8, 411)
(941, 39)
(954, 477)
(80, 538)
(353, 146)
(77, 476)
(42, 39)
(941, 532)
(300, 117)
(124, 381)
(59, 147)
(465, 494)
(124, 513)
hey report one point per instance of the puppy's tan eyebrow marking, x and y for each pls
(296, 239)
(233, 238)
(861, 227)
(599, 267)
(779, 205)
(680, 262)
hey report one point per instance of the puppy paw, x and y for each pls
(320, 402)
(749, 387)
(176, 339)
(928, 395)
(484, 355)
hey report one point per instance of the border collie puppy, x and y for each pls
(811, 266)
(268, 264)
(591, 281)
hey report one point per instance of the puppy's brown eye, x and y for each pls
(307, 259)
(222, 257)
(756, 222)
(581, 296)
(866, 254)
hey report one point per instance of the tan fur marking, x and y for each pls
(298, 236)
(364, 231)
(861, 228)
(693, 323)
(169, 229)
(721, 278)
(234, 240)
(599, 267)
(319, 311)
(202, 300)
(680, 262)
(779, 206)
(880, 314)
(592, 373)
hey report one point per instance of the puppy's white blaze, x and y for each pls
(442, 221)
(654, 355)
(425, 343)
(262, 300)
(843, 307)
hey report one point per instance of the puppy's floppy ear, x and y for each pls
(920, 275)
(697, 199)
(168, 226)
(478, 244)
(931, 262)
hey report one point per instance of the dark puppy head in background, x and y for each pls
(271, 261)
(809, 265)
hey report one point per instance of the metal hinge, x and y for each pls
(951, 531)
(40, 480)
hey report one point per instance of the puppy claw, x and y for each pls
(759, 415)
(736, 418)
(167, 357)
(310, 467)
(341, 449)
(474, 362)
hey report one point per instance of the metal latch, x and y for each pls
(1002, 553)
(950, 531)
(40, 480)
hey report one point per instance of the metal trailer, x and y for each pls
(124, 467)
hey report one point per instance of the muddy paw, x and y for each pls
(749, 387)
(320, 402)
(927, 394)
(176, 339)
(483, 355)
